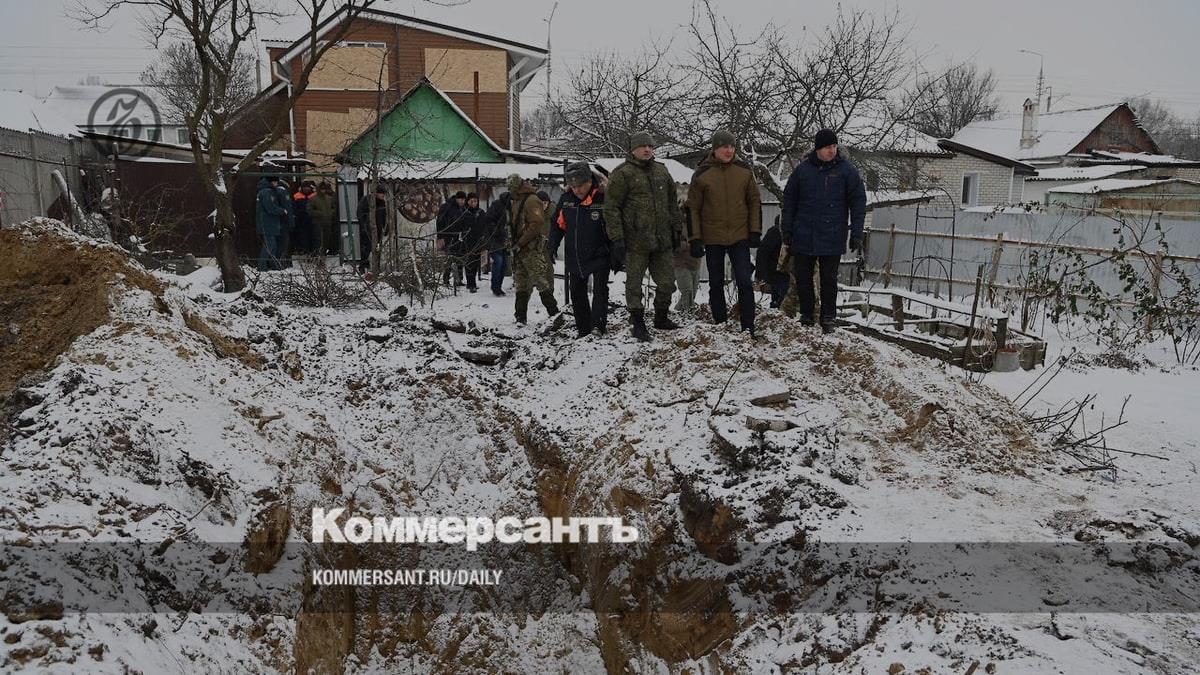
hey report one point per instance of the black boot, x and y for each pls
(662, 318)
(550, 303)
(638, 318)
(522, 306)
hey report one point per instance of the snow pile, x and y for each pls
(201, 422)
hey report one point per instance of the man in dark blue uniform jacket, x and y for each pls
(824, 200)
(579, 220)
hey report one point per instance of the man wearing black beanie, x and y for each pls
(824, 201)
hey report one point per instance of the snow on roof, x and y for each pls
(1109, 185)
(21, 112)
(465, 171)
(74, 102)
(1084, 172)
(1143, 157)
(680, 173)
(1057, 133)
(885, 197)
(880, 133)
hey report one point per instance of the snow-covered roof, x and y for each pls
(680, 173)
(1114, 185)
(879, 133)
(74, 102)
(21, 112)
(1082, 173)
(1142, 157)
(465, 171)
(885, 197)
(1057, 133)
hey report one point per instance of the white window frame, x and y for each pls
(971, 189)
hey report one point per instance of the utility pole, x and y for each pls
(549, 59)
(1041, 72)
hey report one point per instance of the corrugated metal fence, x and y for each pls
(940, 251)
(27, 160)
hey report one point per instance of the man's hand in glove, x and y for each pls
(697, 248)
(755, 239)
(616, 256)
(855, 244)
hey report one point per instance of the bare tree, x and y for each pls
(1174, 134)
(217, 32)
(952, 99)
(774, 94)
(177, 75)
(610, 96)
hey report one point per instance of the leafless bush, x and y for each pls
(310, 283)
(417, 275)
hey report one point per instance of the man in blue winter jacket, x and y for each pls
(269, 221)
(824, 200)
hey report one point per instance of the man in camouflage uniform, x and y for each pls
(641, 210)
(531, 261)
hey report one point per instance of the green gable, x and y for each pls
(424, 126)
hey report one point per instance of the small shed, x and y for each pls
(1175, 196)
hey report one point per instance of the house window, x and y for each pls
(181, 136)
(970, 189)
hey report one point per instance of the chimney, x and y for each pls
(1029, 117)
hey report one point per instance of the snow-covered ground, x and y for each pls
(204, 417)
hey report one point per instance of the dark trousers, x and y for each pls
(589, 315)
(499, 265)
(828, 267)
(779, 289)
(739, 259)
(268, 256)
(364, 246)
(470, 263)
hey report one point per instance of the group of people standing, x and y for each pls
(637, 223)
(302, 222)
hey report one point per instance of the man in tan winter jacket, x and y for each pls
(726, 216)
(531, 260)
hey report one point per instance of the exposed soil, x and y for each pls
(53, 289)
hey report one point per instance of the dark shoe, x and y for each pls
(638, 318)
(550, 303)
(498, 294)
(749, 329)
(522, 307)
(472, 289)
(828, 327)
(601, 329)
(807, 321)
(662, 319)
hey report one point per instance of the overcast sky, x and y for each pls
(1096, 51)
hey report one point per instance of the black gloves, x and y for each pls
(855, 244)
(755, 239)
(616, 256)
(697, 248)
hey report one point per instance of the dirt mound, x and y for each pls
(54, 287)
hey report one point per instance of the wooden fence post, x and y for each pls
(1155, 285)
(997, 251)
(974, 311)
(891, 251)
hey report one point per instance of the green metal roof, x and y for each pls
(425, 125)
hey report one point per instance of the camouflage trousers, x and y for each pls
(661, 265)
(531, 269)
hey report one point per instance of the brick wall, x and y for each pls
(995, 180)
